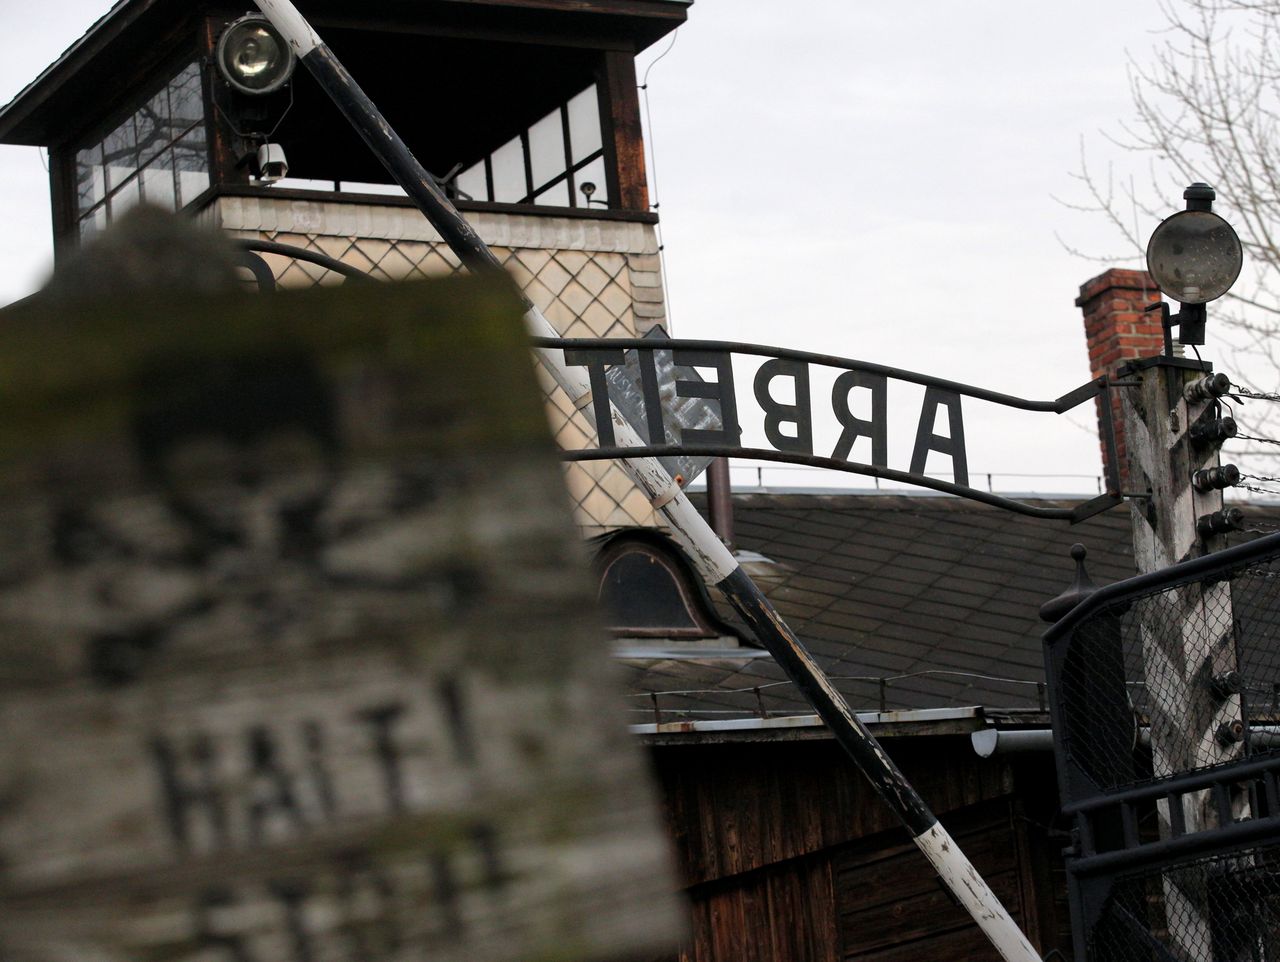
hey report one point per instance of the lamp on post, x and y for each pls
(1194, 257)
(256, 63)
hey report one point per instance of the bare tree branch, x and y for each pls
(1206, 107)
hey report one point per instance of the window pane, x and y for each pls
(94, 222)
(185, 106)
(471, 183)
(365, 187)
(546, 149)
(593, 173)
(125, 197)
(157, 182)
(120, 150)
(91, 185)
(151, 123)
(190, 156)
(584, 124)
(557, 196)
(508, 173)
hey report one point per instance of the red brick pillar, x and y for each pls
(1117, 331)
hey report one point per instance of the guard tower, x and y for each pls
(526, 110)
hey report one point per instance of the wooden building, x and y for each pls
(923, 611)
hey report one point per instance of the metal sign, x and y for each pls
(788, 424)
(262, 696)
(644, 375)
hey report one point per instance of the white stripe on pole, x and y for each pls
(285, 17)
(968, 886)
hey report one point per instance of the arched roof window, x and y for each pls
(648, 589)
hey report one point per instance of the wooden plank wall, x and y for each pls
(891, 907)
(789, 857)
(737, 807)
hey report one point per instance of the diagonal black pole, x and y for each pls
(712, 559)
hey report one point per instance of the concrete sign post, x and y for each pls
(296, 648)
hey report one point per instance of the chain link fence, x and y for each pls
(1175, 679)
(1222, 907)
(1165, 696)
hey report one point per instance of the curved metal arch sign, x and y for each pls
(654, 383)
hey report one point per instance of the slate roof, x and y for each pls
(907, 602)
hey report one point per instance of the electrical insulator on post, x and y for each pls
(1212, 431)
(1230, 733)
(1220, 522)
(1215, 479)
(1207, 388)
(1227, 684)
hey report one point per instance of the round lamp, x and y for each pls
(1194, 256)
(253, 57)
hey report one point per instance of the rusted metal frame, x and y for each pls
(1111, 463)
(566, 136)
(526, 154)
(712, 559)
(1066, 402)
(1096, 505)
(301, 254)
(720, 499)
(620, 131)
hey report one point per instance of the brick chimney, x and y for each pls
(1117, 331)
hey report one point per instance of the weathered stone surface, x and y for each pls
(296, 658)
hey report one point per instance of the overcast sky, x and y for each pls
(870, 180)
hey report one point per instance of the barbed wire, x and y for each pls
(1262, 527)
(1137, 684)
(1238, 392)
(1242, 486)
(1244, 483)
(868, 678)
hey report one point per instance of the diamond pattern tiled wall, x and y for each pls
(590, 279)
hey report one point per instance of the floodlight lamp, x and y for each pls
(1194, 256)
(253, 57)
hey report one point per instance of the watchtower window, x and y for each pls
(549, 163)
(516, 107)
(158, 154)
